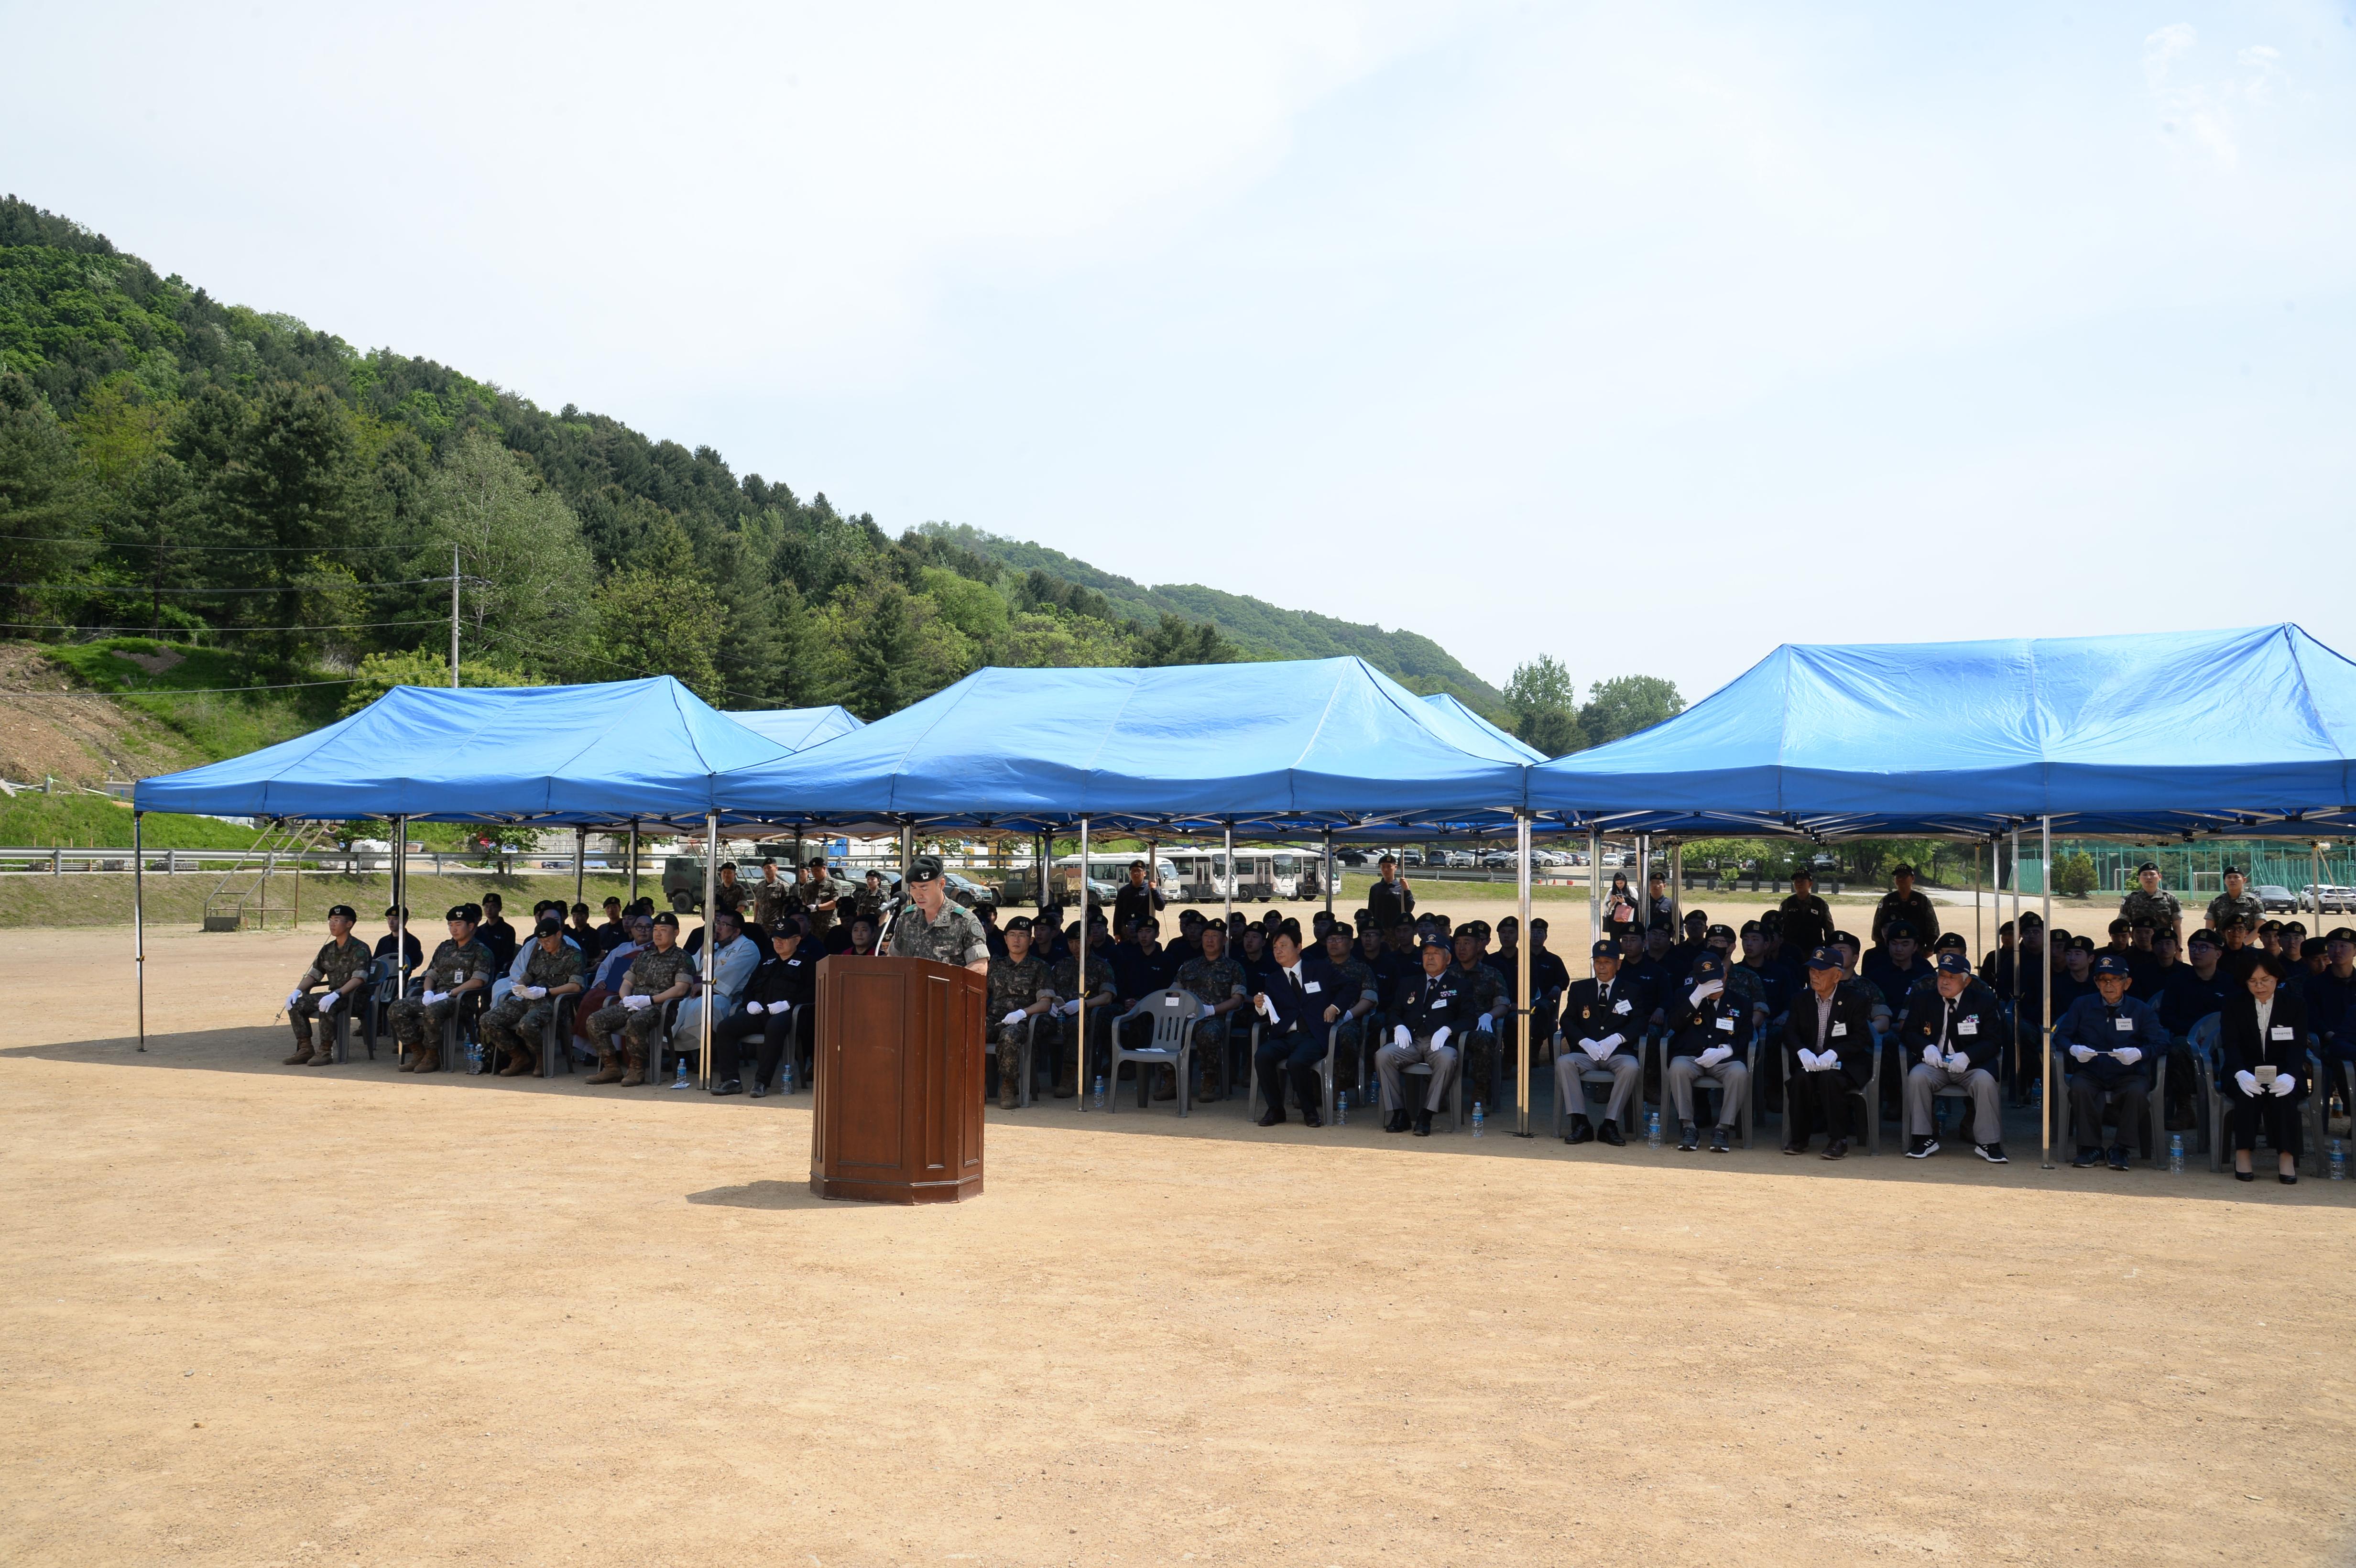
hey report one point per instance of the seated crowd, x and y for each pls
(1788, 1013)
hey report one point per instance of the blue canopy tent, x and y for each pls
(800, 729)
(1446, 704)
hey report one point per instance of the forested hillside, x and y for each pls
(224, 479)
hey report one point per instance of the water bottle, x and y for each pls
(1477, 1118)
(1652, 1129)
(1341, 1109)
(681, 1082)
(789, 1077)
(1098, 1100)
(2338, 1162)
(474, 1056)
(2175, 1154)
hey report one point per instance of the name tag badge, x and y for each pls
(2280, 1031)
(1968, 1026)
(1311, 989)
(1171, 1001)
(1840, 1031)
(2124, 1026)
(1726, 1025)
(1622, 1007)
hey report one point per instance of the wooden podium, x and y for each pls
(899, 1081)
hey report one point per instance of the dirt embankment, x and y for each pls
(50, 727)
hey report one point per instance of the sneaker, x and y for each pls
(2118, 1159)
(1921, 1146)
(1717, 1144)
(2087, 1158)
(1992, 1153)
(1688, 1140)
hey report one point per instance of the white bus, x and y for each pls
(1110, 872)
(1262, 875)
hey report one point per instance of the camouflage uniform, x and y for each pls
(2160, 909)
(1356, 984)
(816, 891)
(2245, 909)
(868, 903)
(1477, 1051)
(1011, 987)
(957, 937)
(1743, 982)
(334, 967)
(1914, 909)
(651, 973)
(1212, 982)
(1102, 1005)
(517, 1018)
(418, 1026)
(772, 902)
(1874, 1002)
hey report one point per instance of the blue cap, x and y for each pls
(1433, 939)
(1607, 948)
(1708, 966)
(2110, 963)
(1827, 958)
(1953, 964)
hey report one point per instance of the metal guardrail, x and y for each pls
(50, 861)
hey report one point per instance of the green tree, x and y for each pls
(518, 548)
(2073, 874)
(293, 484)
(1625, 704)
(1545, 707)
(379, 673)
(1180, 641)
(659, 616)
(883, 650)
(44, 503)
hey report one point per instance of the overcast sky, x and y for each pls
(1649, 336)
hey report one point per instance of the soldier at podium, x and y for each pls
(932, 927)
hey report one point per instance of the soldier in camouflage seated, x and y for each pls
(460, 965)
(1020, 988)
(341, 967)
(552, 968)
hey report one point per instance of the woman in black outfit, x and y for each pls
(2265, 1030)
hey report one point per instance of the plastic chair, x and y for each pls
(1173, 1014)
(459, 1027)
(2156, 1105)
(555, 1036)
(1870, 1093)
(1026, 1033)
(384, 980)
(2211, 1096)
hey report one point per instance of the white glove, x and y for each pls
(1070, 1009)
(2249, 1082)
(1439, 1036)
(753, 1007)
(1011, 1020)
(1486, 1022)
(2081, 1053)
(637, 1004)
(1207, 1010)
(1702, 993)
(327, 1001)
(1959, 1063)
(294, 1000)
(1715, 1054)
(532, 993)
(1930, 1056)
(433, 996)
(1400, 1038)
(2285, 1083)
(2130, 1054)
(1807, 1059)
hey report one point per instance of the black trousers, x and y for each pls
(2277, 1116)
(1814, 1100)
(729, 1035)
(2087, 1099)
(1295, 1057)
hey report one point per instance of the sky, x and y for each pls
(1646, 336)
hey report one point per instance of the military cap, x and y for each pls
(1697, 917)
(1479, 928)
(1951, 963)
(612, 902)
(1752, 928)
(2081, 945)
(2031, 917)
(465, 912)
(2119, 925)
(1715, 930)
(785, 930)
(2203, 938)
(2146, 866)
(2111, 964)
(818, 861)
(1902, 869)
(1801, 873)
(1827, 958)
(1847, 939)
(2337, 933)
(924, 869)
(669, 919)
(345, 910)
(1709, 966)
(391, 910)
(1772, 920)
(550, 926)
(2314, 946)
(1898, 928)
(2267, 925)
(1952, 942)
(1607, 948)
(873, 875)
(1433, 939)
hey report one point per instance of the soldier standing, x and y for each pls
(553, 969)
(1903, 905)
(2236, 902)
(867, 903)
(819, 895)
(2150, 904)
(341, 966)
(1020, 988)
(932, 927)
(459, 966)
(772, 895)
(662, 973)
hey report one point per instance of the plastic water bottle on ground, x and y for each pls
(1477, 1118)
(681, 1082)
(789, 1077)
(474, 1056)
(2338, 1164)
(1341, 1109)
(2175, 1154)
(1652, 1129)
(1096, 1100)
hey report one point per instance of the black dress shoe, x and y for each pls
(756, 1091)
(2245, 1176)
(731, 1087)
(2286, 1180)
(1270, 1116)
(1580, 1131)
(1398, 1124)
(1609, 1132)
(1309, 1118)
(1423, 1124)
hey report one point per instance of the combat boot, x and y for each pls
(608, 1070)
(324, 1055)
(637, 1072)
(429, 1059)
(520, 1062)
(302, 1055)
(408, 1059)
(1064, 1088)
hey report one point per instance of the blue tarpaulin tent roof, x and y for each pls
(1455, 711)
(1285, 747)
(562, 754)
(2235, 731)
(799, 728)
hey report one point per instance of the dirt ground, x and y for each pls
(264, 1315)
(82, 740)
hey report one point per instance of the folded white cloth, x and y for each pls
(2081, 1053)
(433, 997)
(2249, 1082)
(2130, 1054)
(1266, 1009)
(531, 993)
(637, 1004)
(1714, 1055)
(2285, 1083)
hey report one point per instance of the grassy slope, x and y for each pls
(104, 899)
(219, 724)
(91, 822)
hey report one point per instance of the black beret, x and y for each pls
(463, 912)
(924, 869)
(345, 910)
(669, 919)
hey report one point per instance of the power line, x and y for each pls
(167, 634)
(246, 548)
(515, 642)
(134, 590)
(186, 690)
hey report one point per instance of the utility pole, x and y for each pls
(453, 617)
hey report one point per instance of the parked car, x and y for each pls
(1501, 860)
(973, 895)
(1353, 857)
(2271, 898)
(1411, 857)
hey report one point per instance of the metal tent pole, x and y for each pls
(634, 861)
(710, 951)
(1528, 1011)
(2314, 881)
(580, 862)
(1979, 945)
(139, 923)
(1594, 886)
(1329, 874)
(2045, 1012)
(1676, 890)
(1230, 915)
(1080, 956)
(400, 916)
(1644, 888)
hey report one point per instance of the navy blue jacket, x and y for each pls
(1723, 1019)
(2092, 1023)
(1973, 1024)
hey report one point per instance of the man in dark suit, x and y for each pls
(2113, 1041)
(1954, 1037)
(1830, 1032)
(1603, 1019)
(1293, 999)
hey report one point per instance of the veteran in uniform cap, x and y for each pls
(553, 969)
(1433, 1008)
(2149, 903)
(1603, 1019)
(1956, 1037)
(932, 927)
(2236, 902)
(341, 966)
(2113, 1040)
(459, 966)
(1709, 1035)
(1830, 1032)
(1902, 905)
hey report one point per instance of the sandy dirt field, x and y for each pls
(263, 1315)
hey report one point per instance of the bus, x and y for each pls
(1108, 874)
(1262, 875)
